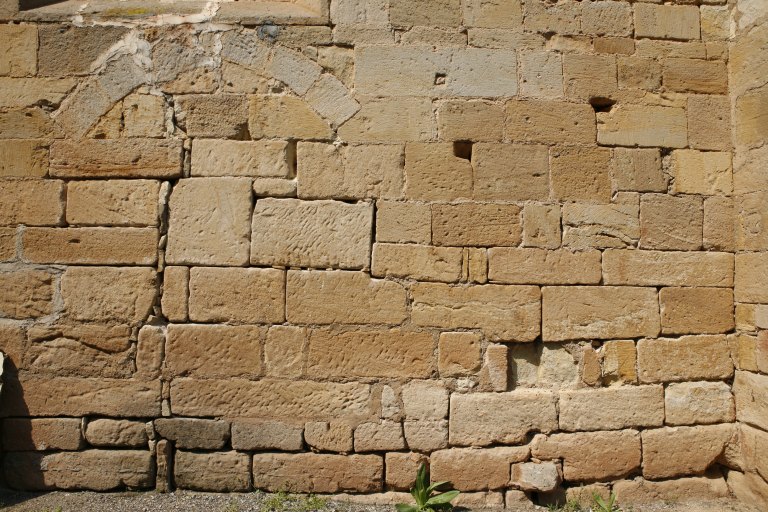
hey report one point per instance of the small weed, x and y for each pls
(422, 493)
(232, 506)
(571, 506)
(600, 505)
(284, 502)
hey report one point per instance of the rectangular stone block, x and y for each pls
(285, 117)
(266, 435)
(239, 295)
(679, 489)
(541, 74)
(678, 451)
(510, 172)
(26, 293)
(691, 403)
(403, 222)
(696, 310)
(23, 158)
(667, 21)
(607, 18)
(470, 469)
(174, 302)
(222, 116)
(31, 202)
(639, 72)
(709, 119)
(7, 244)
(643, 125)
(671, 222)
(612, 408)
(315, 472)
(581, 312)
(751, 401)
(482, 419)
(476, 224)
(493, 14)
(108, 433)
(264, 158)
(30, 92)
(370, 353)
(539, 266)
(685, 358)
(474, 120)
(459, 353)
(18, 54)
(638, 170)
(322, 234)
(751, 277)
(123, 158)
(668, 268)
(541, 226)
(697, 76)
(91, 246)
(581, 174)
(343, 297)
(435, 172)
(332, 436)
(390, 120)
(113, 203)
(42, 434)
(550, 122)
(212, 472)
(507, 313)
(214, 351)
(589, 76)
(191, 433)
(698, 172)
(419, 262)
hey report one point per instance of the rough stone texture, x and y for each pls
(751, 404)
(612, 409)
(113, 203)
(214, 351)
(677, 451)
(131, 158)
(691, 403)
(459, 353)
(26, 294)
(645, 126)
(696, 310)
(541, 477)
(90, 246)
(420, 262)
(400, 469)
(471, 469)
(310, 472)
(189, 433)
(31, 202)
(680, 489)
(670, 222)
(266, 435)
(216, 472)
(379, 436)
(212, 157)
(538, 266)
(476, 224)
(116, 433)
(685, 358)
(668, 268)
(329, 436)
(41, 434)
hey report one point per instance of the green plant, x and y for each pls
(284, 502)
(232, 506)
(570, 506)
(428, 497)
(600, 505)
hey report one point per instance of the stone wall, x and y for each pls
(305, 246)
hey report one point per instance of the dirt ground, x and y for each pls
(185, 501)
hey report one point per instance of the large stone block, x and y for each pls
(314, 472)
(113, 203)
(31, 92)
(641, 125)
(612, 409)
(667, 21)
(696, 76)
(678, 451)
(474, 120)
(680, 489)
(322, 234)
(123, 158)
(476, 224)
(696, 310)
(191, 433)
(751, 277)
(390, 120)
(581, 174)
(685, 358)
(433, 172)
(18, 54)
(266, 435)
(213, 472)
(539, 266)
(67, 49)
(286, 117)
(600, 226)
(379, 436)
(751, 400)
(420, 262)
(403, 222)
(216, 116)
(509, 313)
(442, 13)
(22, 158)
(671, 222)
(581, 312)
(470, 469)
(709, 121)
(510, 172)
(31, 202)
(26, 293)
(91, 246)
(109, 433)
(550, 122)
(638, 170)
(41, 434)
(459, 353)
(668, 268)
(264, 158)
(690, 403)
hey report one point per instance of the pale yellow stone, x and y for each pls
(284, 351)
(123, 158)
(285, 117)
(541, 226)
(212, 157)
(434, 173)
(476, 224)
(589, 76)
(685, 358)
(91, 246)
(581, 174)
(640, 125)
(638, 170)
(403, 222)
(31, 202)
(691, 403)
(473, 120)
(419, 262)
(472, 469)
(639, 72)
(606, 18)
(696, 310)
(317, 472)
(668, 268)
(509, 172)
(541, 75)
(18, 54)
(390, 120)
(751, 277)
(667, 21)
(709, 120)
(600, 226)
(550, 122)
(113, 203)
(459, 353)
(23, 158)
(677, 490)
(619, 362)
(677, 451)
(611, 408)
(695, 76)
(539, 266)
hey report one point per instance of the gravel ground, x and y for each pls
(185, 501)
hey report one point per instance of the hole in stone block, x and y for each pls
(440, 78)
(601, 104)
(462, 149)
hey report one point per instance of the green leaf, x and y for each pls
(432, 488)
(445, 497)
(402, 507)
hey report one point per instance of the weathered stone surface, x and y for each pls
(91, 246)
(175, 293)
(644, 126)
(539, 266)
(343, 297)
(679, 489)
(509, 172)
(696, 310)
(284, 352)
(264, 158)
(31, 202)
(474, 120)
(420, 262)
(510, 313)
(239, 295)
(113, 203)
(685, 358)
(209, 221)
(666, 268)
(270, 399)
(433, 172)
(670, 222)
(124, 158)
(476, 224)
(425, 400)
(638, 170)
(26, 293)
(266, 435)
(188, 433)
(751, 277)
(426, 435)
(588, 76)
(379, 436)
(550, 122)
(494, 375)
(214, 351)
(400, 469)
(66, 50)
(667, 21)
(612, 409)
(481, 419)
(751, 403)
(619, 453)
(719, 216)
(709, 119)
(390, 120)
(370, 353)
(619, 362)
(285, 117)
(748, 487)
(403, 222)
(541, 226)
(322, 234)
(41, 434)
(599, 312)
(541, 75)
(18, 56)
(459, 353)
(224, 116)
(677, 451)
(539, 477)
(108, 433)
(435, 13)
(470, 469)
(600, 226)
(96, 470)
(694, 75)
(581, 174)
(23, 158)
(328, 436)
(30, 92)
(312, 472)
(690, 403)
(215, 472)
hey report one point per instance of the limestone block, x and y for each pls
(426, 435)
(751, 277)
(109, 433)
(644, 126)
(401, 468)
(31, 202)
(750, 118)
(441, 13)
(213, 116)
(23, 158)
(295, 70)
(150, 350)
(685, 358)
(7, 244)
(284, 354)
(510, 172)
(668, 268)
(639, 73)
(541, 226)
(706, 173)
(131, 158)
(66, 50)
(263, 158)
(751, 222)
(678, 451)
(691, 403)
(175, 293)
(696, 76)
(213, 472)
(612, 408)
(614, 45)
(18, 55)
(328, 436)
(696, 310)
(606, 18)
(113, 203)
(493, 14)
(709, 119)
(541, 75)
(286, 117)
(403, 222)
(144, 115)
(494, 376)
(420, 262)
(459, 353)
(538, 477)
(550, 122)
(581, 174)
(680, 489)
(509, 313)
(538, 266)
(433, 172)
(27, 293)
(390, 120)
(600, 226)
(91, 246)
(471, 469)
(618, 360)
(189, 433)
(542, 16)
(482, 419)
(589, 76)
(475, 120)
(41, 434)
(476, 224)
(314, 472)
(425, 400)
(667, 21)
(638, 170)
(30, 92)
(248, 435)
(379, 436)
(751, 402)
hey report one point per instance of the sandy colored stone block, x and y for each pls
(426, 435)
(751, 221)
(493, 14)
(614, 45)
(685, 358)
(639, 73)
(31, 202)
(321, 473)
(441, 13)
(191, 433)
(691, 403)
(401, 468)
(433, 172)
(91, 246)
(286, 117)
(175, 293)
(541, 226)
(705, 173)
(239, 295)
(30, 92)
(144, 115)
(113, 203)
(696, 76)
(249, 435)
(494, 375)
(541, 75)
(390, 120)
(589, 76)
(370, 353)
(638, 170)
(284, 351)
(131, 158)
(213, 472)
(678, 451)
(330, 98)
(751, 402)
(274, 187)
(509, 313)
(322, 234)
(263, 158)
(510, 172)
(293, 69)
(222, 116)
(619, 453)
(214, 351)
(581, 174)
(600, 226)
(751, 277)
(66, 50)
(425, 400)
(544, 17)
(539, 266)
(644, 126)
(536, 476)
(23, 158)
(403, 222)
(379, 436)
(18, 54)
(41, 434)
(330, 297)
(619, 362)
(708, 487)
(327, 171)
(709, 118)
(471, 469)
(420, 262)
(476, 224)
(459, 353)
(668, 268)
(750, 118)
(550, 122)
(623, 312)
(27, 293)
(606, 19)
(696, 310)
(13, 344)
(329, 436)
(472, 120)
(612, 408)
(109, 433)
(94, 470)
(482, 419)
(667, 21)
